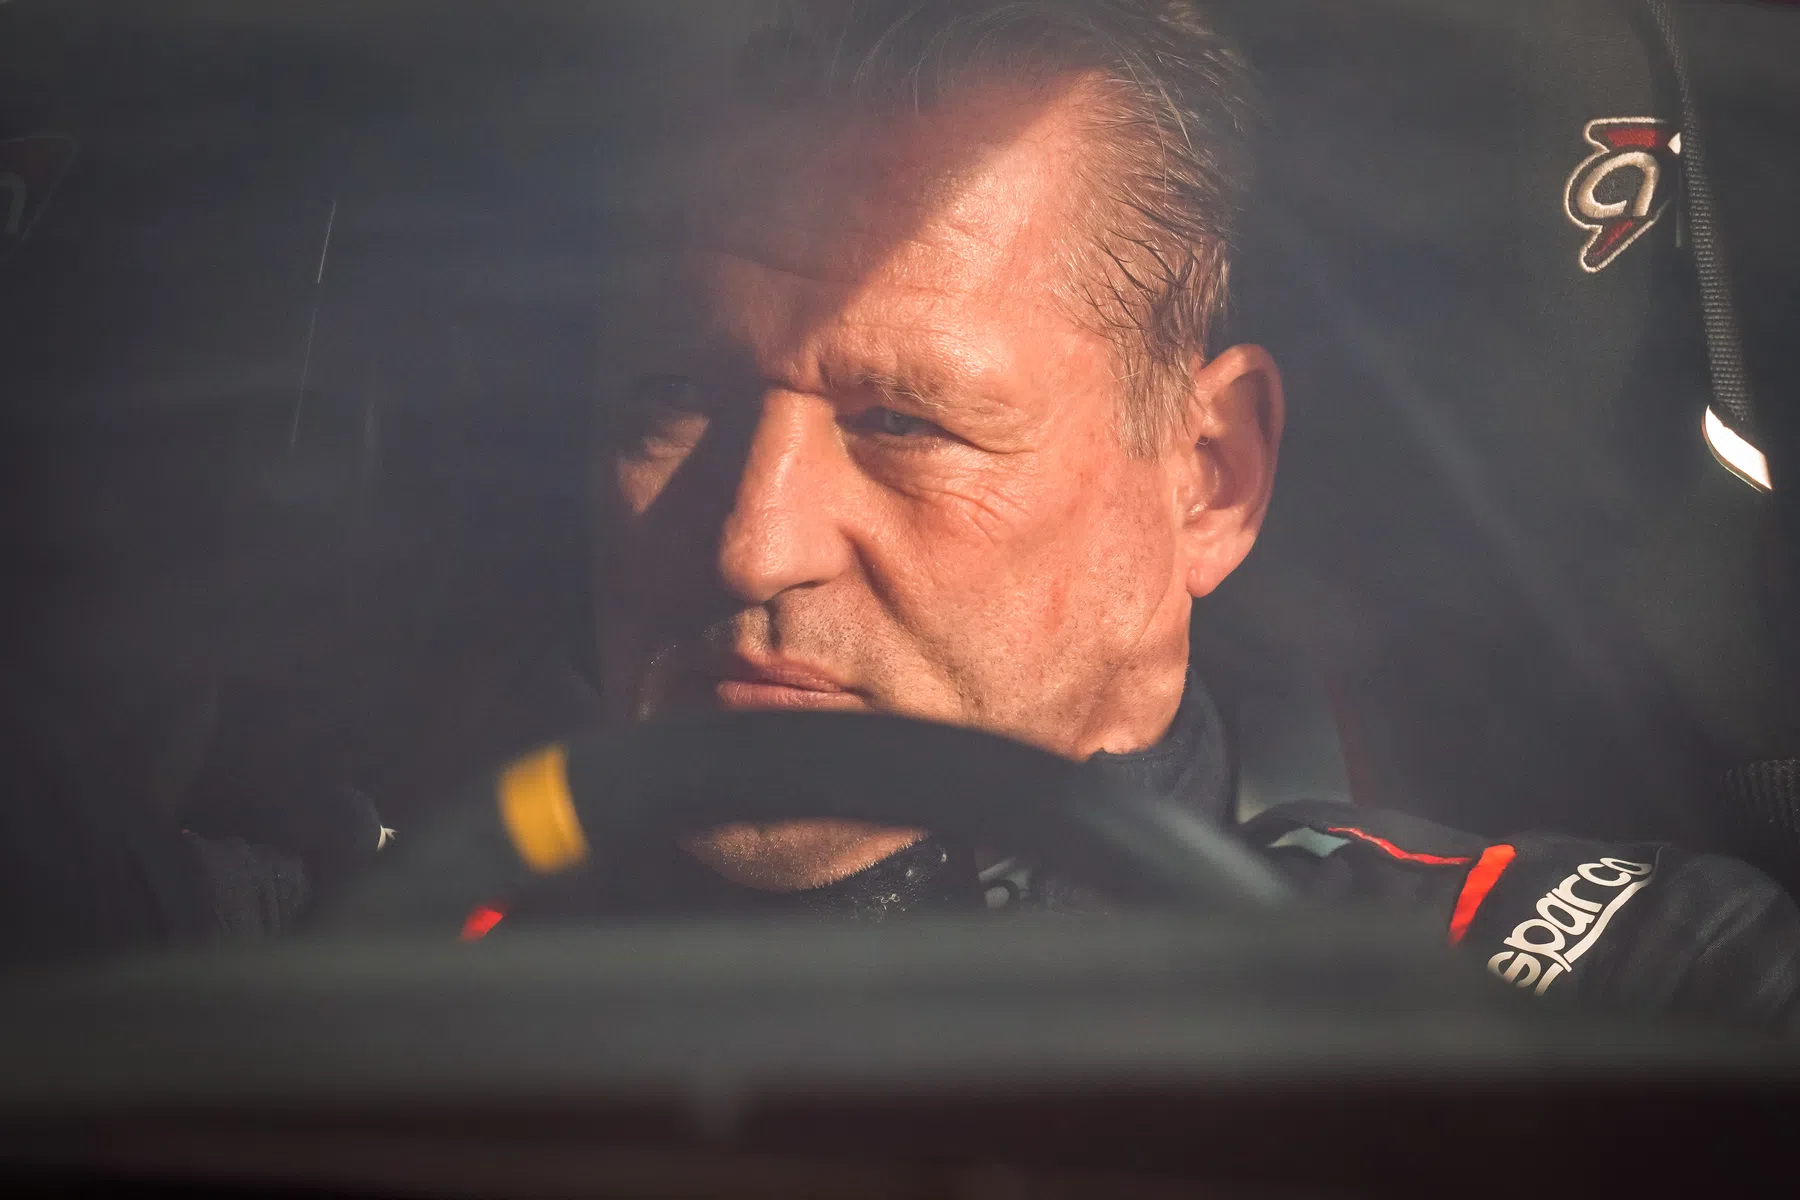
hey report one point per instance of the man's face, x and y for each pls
(864, 456)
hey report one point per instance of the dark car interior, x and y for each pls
(296, 337)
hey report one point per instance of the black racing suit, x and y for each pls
(1623, 923)
(1620, 924)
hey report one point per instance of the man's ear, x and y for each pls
(1235, 419)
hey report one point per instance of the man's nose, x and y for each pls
(783, 530)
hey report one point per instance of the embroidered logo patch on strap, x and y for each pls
(1624, 187)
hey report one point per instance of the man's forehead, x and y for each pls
(977, 190)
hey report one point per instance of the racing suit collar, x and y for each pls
(1192, 765)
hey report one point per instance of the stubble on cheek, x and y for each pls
(1087, 603)
(979, 594)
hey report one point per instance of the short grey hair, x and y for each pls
(1174, 119)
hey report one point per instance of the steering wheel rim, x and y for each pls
(655, 782)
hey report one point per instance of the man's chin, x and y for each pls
(793, 856)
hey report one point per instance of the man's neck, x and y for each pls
(1141, 709)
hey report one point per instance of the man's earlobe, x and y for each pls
(1238, 416)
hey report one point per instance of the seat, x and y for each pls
(1500, 540)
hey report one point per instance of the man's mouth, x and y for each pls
(739, 682)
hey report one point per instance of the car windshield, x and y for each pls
(827, 499)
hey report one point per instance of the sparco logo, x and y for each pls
(1624, 187)
(1577, 908)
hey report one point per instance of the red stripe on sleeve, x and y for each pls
(1481, 881)
(1430, 860)
(480, 923)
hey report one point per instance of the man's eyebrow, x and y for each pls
(895, 387)
(931, 392)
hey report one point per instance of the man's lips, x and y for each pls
(746, 683)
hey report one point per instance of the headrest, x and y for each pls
(1500, 530)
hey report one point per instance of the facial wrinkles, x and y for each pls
(842, 196)
(923, 596)
(1030, 594)
(983, 562)
(918, 311)
(1016, 508)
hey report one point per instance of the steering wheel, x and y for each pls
(653, 783)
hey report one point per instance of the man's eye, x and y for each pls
(662, 392)
(654, 405)
(889, 423)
